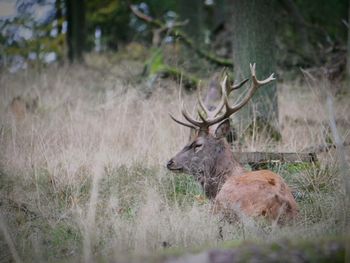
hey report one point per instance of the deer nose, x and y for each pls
(170, 163)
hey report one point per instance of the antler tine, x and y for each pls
(255, 85)
(191, 119)
(226, 88)
(237, 86)
(253, 88)
(260, 82)
(200, 100)
(182, 123)
(218, 109)
(211, 115)
(193, 123)
(201, 116)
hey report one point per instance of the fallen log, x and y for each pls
(309, 155)
(258, 159)
(325, 147)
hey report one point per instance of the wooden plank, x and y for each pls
(270, 157)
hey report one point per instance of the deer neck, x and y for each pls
(225, 166)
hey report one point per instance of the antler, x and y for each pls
(212, 117)
(213, 113)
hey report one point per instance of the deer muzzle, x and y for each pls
(171, 165)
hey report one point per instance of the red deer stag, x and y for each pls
(208, 157)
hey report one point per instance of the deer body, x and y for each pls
(225, 181)
(208, 157)
(259, 193)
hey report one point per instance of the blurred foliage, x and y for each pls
(111, 17)
(34, 49)
(115, 20)
(323, 23)
(317, 24)
(326, 15)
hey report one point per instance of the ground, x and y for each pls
(82, 171)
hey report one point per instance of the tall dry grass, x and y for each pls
(83, 177)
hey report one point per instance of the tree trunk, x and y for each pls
(300, 26)
(254, 42)
(193, 11)
(75, 29)
(58, 7)
(348, 48)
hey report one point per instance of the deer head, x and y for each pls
(208, 156)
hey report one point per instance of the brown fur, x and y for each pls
(210, 160)
(259, 193)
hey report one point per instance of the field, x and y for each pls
(83, 177)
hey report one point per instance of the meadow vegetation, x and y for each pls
(82, 174)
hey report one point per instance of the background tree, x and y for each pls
(254, 42)
(348, 47)
(75, 29)
(112, 18)
(59, 15)
(300, 26)
(194, 12)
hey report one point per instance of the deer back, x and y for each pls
(257, 194)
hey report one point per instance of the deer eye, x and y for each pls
(197, 147)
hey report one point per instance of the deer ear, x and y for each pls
(223, 129)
